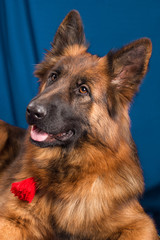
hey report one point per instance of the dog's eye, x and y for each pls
(52, 78)
(83, 90)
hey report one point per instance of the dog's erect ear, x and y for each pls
(127, 67)
(70, 32)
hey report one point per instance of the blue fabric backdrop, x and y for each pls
(27, 27)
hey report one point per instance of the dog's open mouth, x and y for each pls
(39, 135)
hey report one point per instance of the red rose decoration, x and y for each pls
(24, 190)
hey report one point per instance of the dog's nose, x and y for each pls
(36, 111)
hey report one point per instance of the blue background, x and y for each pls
(26, 29)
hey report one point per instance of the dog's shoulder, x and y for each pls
(10, 144)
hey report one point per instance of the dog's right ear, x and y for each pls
(70, 32)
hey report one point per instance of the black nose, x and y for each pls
(35, 112)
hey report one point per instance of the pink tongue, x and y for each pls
(37, 135)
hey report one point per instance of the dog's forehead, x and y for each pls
(77, 61)
(78, 64)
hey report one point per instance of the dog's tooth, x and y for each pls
(61, 134)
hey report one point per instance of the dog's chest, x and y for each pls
(78, 209)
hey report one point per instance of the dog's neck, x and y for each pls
(56, 165)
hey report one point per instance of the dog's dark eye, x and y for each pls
(83, 90)
(52, 78)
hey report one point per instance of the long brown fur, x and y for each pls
(89, 190)
(10, 143)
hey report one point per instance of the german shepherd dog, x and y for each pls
(78, 147)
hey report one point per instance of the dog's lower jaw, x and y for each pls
(43, 139)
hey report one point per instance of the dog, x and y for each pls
(11, 140)
(78, 158)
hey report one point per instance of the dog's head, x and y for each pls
(82, 94)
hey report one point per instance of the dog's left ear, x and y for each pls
(127, 67)
(70, 32)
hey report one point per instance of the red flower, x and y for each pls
(24, 190)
